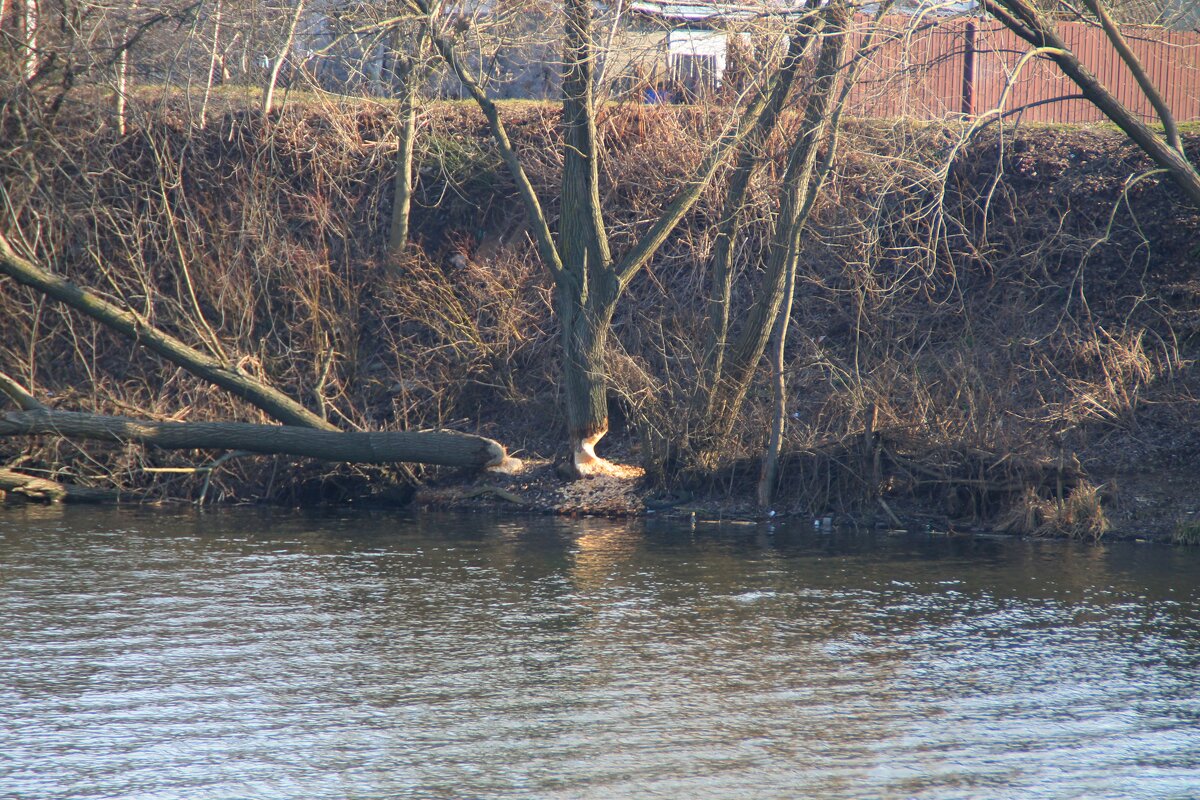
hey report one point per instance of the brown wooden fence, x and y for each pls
(961, 66)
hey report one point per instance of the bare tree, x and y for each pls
(589, 278)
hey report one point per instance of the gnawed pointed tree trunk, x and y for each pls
(589, 282)
(45, 490)
(585, 328)
(442, 448)
(587, 292)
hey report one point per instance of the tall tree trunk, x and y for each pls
(796, 197)
(284, 51)
(405, 69)
(588, 291)
(769, 476)
(213, 63)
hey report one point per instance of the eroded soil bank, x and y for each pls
(999, 333)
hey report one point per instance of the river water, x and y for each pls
(250, 654)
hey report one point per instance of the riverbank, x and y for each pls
(984, 330)
(1158, 505)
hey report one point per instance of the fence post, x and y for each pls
(968, 81)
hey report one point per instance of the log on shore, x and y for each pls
(442, 448)
(31, 487)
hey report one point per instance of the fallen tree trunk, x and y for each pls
(443, 448)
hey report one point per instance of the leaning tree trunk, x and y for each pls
(137, 328)
(1036, 28)
(424, 447)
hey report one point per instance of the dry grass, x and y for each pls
(1078, 515)
(950, 309)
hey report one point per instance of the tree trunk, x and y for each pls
(29, 39)
(769, 475)
(122, 98)
(583, 240)
(122, 88)
(444, 448)
(213, 64)
(749, 156)
(45, 490)
(406, 75)
(585, 325)
(587, 289)
(284, 51)
(797, 193)
(132, 325)
(1034, 27)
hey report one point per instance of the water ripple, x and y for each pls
(277, 656)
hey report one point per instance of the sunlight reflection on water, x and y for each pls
(249, 654)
